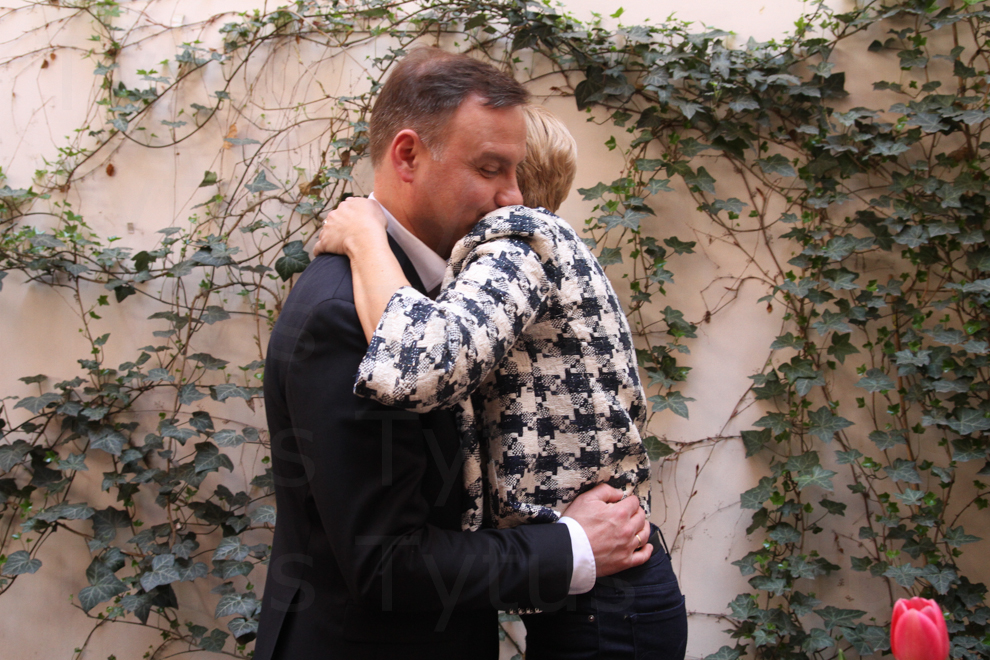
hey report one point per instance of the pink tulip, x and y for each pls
(917, 630)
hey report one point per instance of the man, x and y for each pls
(368, 560)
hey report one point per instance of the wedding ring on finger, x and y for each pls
(639, 541)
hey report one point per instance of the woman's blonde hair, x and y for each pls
(546, 175)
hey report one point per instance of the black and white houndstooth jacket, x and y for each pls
(529, 344)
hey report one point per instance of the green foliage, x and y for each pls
(874, 216)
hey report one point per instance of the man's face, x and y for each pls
(475, 174)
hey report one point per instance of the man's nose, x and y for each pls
(509, 195)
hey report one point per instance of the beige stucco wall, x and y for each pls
(696, 497)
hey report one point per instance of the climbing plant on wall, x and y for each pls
(864, 220)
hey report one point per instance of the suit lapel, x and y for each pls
(407, 266)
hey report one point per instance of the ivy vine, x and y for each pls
(863, 218)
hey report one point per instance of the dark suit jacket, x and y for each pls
(368, 560)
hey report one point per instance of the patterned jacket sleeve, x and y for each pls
(427, 354)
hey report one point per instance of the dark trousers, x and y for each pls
(637, 614)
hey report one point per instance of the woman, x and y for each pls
(528, 341)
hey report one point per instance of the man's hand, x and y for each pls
(347, 228)
(612, 524)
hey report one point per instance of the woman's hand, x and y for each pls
(356, 219)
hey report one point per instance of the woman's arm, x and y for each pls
(426, 354)
(357, 229)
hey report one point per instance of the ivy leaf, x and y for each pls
(784, 533)
(243, 604)
(228, 438)
(597, 192)
(860, 564)
(941, 579)
(903, 574)
(674, 401)
(228, 569)
(747, 566)
(214, 641)
(957, 536)
(163, 571)
(888, 439)
(75, 462)
(701, 179)
(224, 391)
(776, 422)
(19, 563)
(193, 571)
(264, 514)
(104, 585)
(261, 183)
(788, 341)
(967, 449)
(840, 279)
(929, 122)
(649, 164)
(835, 508)
(876, 380)
(848, 457)
(777, 164)
(107, 439)
(294, 260)
(208, 362)
(816, 476)
(831, 321)
(755, 440)
(911, 497)
(655, 186)
(36, 404)
(244, 630)
(824, 425)
(214, 314)
(803, 604)
(805, 461)
(969, 421)
(140, 604)
(610, 256)
(232, 548)
(209, 458)
(868, 640)
(209, 178)
(12, 454)
(66, 511)
(679, 246)
(655, 448)
(834, 616)
(903, 470)
(817, 640)
(776, 586)
(158, 375)
(756, 496)
(841, 347)
(188, 394)
(725, 653)
(106, 522)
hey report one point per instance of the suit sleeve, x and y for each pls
(426, 354)
(368, 462)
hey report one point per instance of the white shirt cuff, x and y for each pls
(583, 574)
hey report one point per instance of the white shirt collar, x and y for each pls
(429, 265)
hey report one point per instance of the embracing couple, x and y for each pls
(455, 408)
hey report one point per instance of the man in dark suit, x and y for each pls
(368, 559)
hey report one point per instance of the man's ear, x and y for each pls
(405, 153)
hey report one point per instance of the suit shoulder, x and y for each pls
(327, 277)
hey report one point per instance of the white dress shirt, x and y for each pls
(431, 268)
